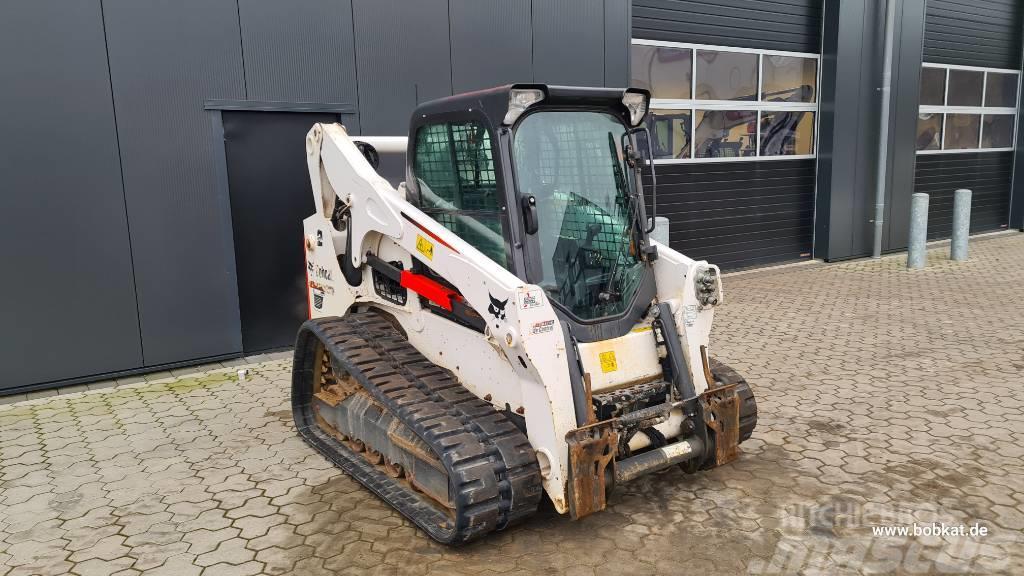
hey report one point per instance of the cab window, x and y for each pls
(455, 174)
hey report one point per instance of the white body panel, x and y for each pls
(621, 361)
(520, 361)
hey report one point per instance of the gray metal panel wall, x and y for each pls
(299, 51)
(166, 58)
(402, 57)
(492, 43)
(67, 298)
(1017, 189)
(906, 92)
(793, 25)
(568, 42)
(617, 39)
(848, 140)
(974, 33)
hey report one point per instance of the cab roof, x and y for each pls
(493, 102)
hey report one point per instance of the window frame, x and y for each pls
(980, 111)
(692, 105)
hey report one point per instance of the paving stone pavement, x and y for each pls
(887, 398)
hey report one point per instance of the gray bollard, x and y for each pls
(961, 225)
(917, 253)
(660, 232)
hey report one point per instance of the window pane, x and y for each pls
(482, 231)
(787, 133)
(726, 75)
(670, 133)
(454, 166)
(666, 72)
(962, 131)
(933, 87)
(1001, 90)
(929, 131)
(572, 163)
(789, 79)
(998, 131)
(726, 133)
(965, 88)
(454, 161)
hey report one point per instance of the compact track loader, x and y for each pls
(501, 325)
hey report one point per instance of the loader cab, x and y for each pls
(543, 180)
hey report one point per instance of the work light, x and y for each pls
(636, 102)
(519, 99)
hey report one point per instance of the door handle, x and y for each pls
(529, 204)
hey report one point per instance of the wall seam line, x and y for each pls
(241, 47)
(124, 187)
(533, 46)
(451, 53)
(355, 63)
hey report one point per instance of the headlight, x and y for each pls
(636, 103)
(519, 99)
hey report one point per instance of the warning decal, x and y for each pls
(608, 362)
(531, 299)
(542, 327)
(425, 247)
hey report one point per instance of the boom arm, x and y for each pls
(520, 320)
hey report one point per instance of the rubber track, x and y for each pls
(493, 474)
(748, 405)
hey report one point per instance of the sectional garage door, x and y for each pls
(735, 88)
(969, 100)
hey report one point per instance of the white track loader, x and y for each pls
(501, 326)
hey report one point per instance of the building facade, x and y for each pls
(153, 177)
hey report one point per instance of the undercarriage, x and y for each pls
(405, 429)
(456, 467)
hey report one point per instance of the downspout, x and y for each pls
(883, 136)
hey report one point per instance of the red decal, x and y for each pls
(434, 291)
(429, 233)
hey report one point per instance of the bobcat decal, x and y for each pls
(497, 307)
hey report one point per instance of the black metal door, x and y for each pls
(270, 196)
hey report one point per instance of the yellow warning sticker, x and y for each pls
(425, 247)
(608, 362)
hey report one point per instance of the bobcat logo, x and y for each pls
(497, 307)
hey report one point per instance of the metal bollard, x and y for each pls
(917, 253)
(961, 225)
(660, 232)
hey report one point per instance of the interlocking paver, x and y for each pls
(886, 397)
(232, 551)
(97, 567)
